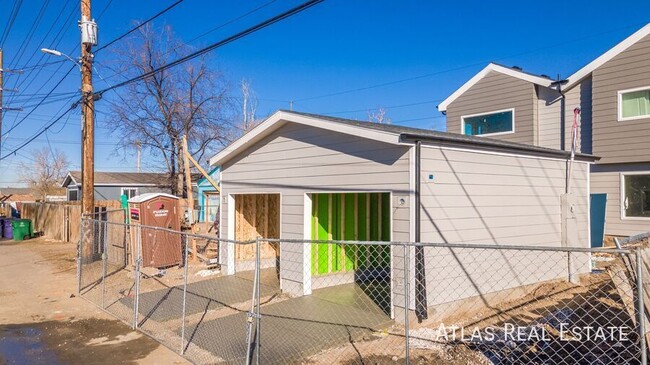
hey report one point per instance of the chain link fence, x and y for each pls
(323, 302)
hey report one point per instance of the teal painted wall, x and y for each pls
(203, 187)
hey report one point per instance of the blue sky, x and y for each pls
(340, 47)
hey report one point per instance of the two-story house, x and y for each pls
(613, 95)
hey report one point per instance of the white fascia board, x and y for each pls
(69, 175)
(538, 80)
(281, 117)
(605, 57)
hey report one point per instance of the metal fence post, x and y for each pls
(249, 318)
(640, 306)
(185, 264)
(258, 267)
(104, 258)
(138, 261)
(79, 255)
(407, 290)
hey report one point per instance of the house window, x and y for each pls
(73, 195)
(129, 192)
(636, 195)
(498, 122)
(634, 104)
(211, 207)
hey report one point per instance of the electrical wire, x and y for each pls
(139, 26)
(482, 63)
(12, 18)
(30, 34)
(101, 13)
(15, 125)
(252, 11)
(31, 139)
(293, 11)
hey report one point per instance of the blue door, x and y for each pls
(597, 216)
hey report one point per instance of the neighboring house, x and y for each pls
(613, 94)
(11, 200)
(112, 185)
(303, 176)
(208, 197)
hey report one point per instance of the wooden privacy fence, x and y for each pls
(60, 221)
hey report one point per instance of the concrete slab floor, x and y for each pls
(296, 328)
(210, 294)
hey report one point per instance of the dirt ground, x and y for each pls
(42, 321)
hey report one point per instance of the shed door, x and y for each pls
(350, 217)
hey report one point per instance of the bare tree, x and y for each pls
(249, 106)
(45, 174)
(379, 116)
(189, 99)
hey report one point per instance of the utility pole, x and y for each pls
(1, 95)
(88, 39)
(3, 108)
(139, 145)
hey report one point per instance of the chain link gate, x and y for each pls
(484, 303)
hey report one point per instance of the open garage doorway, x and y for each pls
(257, 215)
(352, 217)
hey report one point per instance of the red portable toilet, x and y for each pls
(160, 247)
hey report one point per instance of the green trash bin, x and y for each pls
(22, 229)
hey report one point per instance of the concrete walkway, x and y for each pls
(296, 328)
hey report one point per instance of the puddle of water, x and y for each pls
(24, 345)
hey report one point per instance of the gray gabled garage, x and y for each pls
(470, 190)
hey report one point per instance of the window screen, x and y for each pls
(637, 195)
(129, 192)
(635, 104)
(73, 195)
(489, 123)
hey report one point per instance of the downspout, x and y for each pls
(420, 273)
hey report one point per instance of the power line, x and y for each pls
(389, 83)
(139, 26)
(39, 103)
(31, 139)
(12, 18)
(254, 10)
(384, 107)
(216, 45)
(101, 13)
(28, 38)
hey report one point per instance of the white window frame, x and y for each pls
(462, 122)
(68, 191)
(620, 104)
(622, 195)
(128, 188)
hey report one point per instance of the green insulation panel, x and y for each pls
(349, 216)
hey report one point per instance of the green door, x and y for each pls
(350, 217)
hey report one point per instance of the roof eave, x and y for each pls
(584, 72)
(449, 141)
(537, 80)
(280, 117)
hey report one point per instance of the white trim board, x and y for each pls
(605, 57)
(281, 117)
(619, 106)
(538, 80)
(622, 195)
(462, 122)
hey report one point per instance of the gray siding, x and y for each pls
(608, 180)
(625, 141)
(579, 96)
(548, 118)
(298, 159)
(497, 91)
(496, 199)
(115, 192)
